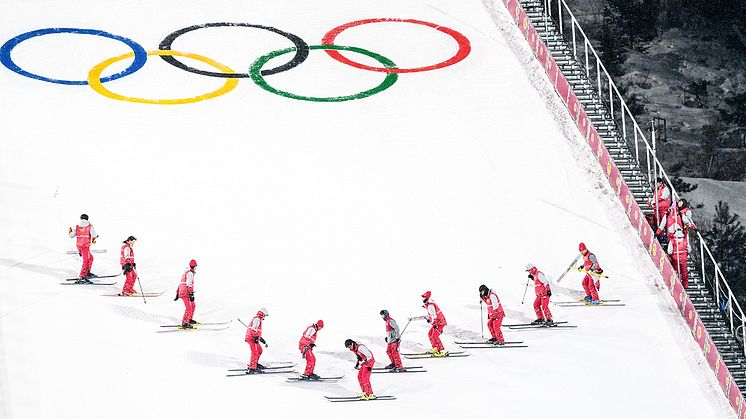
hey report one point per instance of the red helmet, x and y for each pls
(320, 324)
(426, 295)
(192, 263)
(581, 247)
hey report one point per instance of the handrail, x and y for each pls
(653, 165)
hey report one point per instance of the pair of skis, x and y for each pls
(285, 368)
(425, 355)
(95, 280)
(490, 345)
(555, 325)
(407, 370)
(583, 303)
(208, 327)
(339, 399)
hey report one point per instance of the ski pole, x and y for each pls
(141, 292)
(524, 292)
(481, 317)
(243, 323)
(405, 328)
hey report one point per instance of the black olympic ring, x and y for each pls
(301, 48)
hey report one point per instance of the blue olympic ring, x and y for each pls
(141, 56)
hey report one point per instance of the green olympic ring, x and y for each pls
(257, 77)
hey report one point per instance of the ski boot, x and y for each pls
(314, 377)
(499, 342)
(253, 371)
(304, 377)
(186, 326)
(397, 369)
(83, 280)
(549, 323)
(440, 353)
(193, 322)
(390, 366)
(587, 299)
(90, 275)
(260, 366)
(492, 340)
(595, 302)
(432, 351)
(368, 396)
(538, 322)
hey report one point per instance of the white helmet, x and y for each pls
(530, 266)
(264, 310)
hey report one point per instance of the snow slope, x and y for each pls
(448, 179)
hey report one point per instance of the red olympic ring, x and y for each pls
(464, 46)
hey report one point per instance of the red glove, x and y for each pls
(658, 232)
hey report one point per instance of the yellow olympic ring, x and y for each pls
(94, 79)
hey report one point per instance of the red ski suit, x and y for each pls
(674, 220)
(541, 287)
(127, 260)
(590, 263)
(392, 338)
(306, 351)
(495, 315)
(438, 321)
(186, 287)
(84, 233)
(253, 333)
(678, 251)
(365, 360)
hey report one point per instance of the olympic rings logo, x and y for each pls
(256, 71)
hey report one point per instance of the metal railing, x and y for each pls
(644, 151)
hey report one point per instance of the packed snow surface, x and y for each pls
(448, 179)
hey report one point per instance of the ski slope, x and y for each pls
(445, 180)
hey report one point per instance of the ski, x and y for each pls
(603, 304)
(195, 329)
(429, 353)
(491, 346)
(278, 367)
(89, 283)
(582, 301)
(386, 369)
(486, 342)
(585, 271)
(527, 324)
(261, 372)
(449, 355)
(137, 294)
(320, 379)
(201, 324)
(357, 398)
(405, 371)
(93, 277)
(541, 326)
(572, 265)
(75, 252)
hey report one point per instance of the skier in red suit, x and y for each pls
(127, 260)
(590, 264)
(543, 292)
(186, 293)
(365, 362)
(306, 345)
(84, 234)
(495, 314)
(438, 321)
(254, 337)
(393, 338)
(678, 251)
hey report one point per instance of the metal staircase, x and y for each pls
(705, 295)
